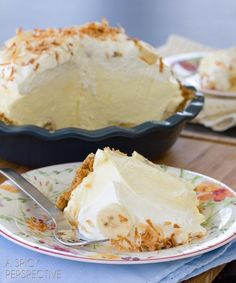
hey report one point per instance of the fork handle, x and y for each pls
(31, 191)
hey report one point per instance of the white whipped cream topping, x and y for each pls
(218, 70)
(134, 189)
(75, 48)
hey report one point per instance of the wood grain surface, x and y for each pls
(216, 159)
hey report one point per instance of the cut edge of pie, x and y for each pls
(82, 172)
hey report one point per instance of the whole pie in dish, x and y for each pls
(131, 201)
(89, 76)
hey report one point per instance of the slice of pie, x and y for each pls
(132, 202)
(89, 76)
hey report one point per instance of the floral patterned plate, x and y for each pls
(26, 224)
(185, 67)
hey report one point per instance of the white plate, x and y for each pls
(185, 67)
(24, 223)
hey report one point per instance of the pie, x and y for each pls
(132, 202)
(89, 76)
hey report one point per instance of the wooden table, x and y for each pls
(214, 158)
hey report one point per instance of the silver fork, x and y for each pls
(63, 232)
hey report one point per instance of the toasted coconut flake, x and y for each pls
(13, 45)
(122, 218)
(69, 46)
(57, 56)
(100, 31)
(161, 66)
(127, 241)
(136, 235)
(145, 54)
(122, 244)
(176, 226)
(11, 76)
(172, 237)
(31, 61)
(55, 43)
(49, 125)
(36, 67)
(149, 222)
(5, 119)
(117, 54)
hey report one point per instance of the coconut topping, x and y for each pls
(100, 31)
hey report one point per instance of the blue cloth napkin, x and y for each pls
(20, 265)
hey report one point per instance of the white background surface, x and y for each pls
(211, 22)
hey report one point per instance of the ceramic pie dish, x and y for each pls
(34, 146)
